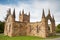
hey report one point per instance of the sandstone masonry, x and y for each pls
(24, 27)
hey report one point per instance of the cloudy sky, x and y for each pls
(34, 6)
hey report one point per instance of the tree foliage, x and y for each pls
(1, 27)
(58, 28)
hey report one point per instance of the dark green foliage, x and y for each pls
(1, 27)
(58, 28)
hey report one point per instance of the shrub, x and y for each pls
(58, 28)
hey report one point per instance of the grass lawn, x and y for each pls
(2, 37)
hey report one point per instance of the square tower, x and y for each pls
(24, 17)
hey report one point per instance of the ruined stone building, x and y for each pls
(24, 27)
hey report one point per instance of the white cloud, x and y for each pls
(35, 9)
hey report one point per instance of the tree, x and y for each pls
(58, 28)
(1, 27)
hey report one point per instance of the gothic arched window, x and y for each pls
(37, 28)
(30, 28)
(9, 27)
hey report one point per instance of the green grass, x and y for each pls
(2, 37)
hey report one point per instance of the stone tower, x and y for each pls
(52, 25)
(44, 28)
(9, 24)
(24, 17)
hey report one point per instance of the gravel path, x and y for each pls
(55, 38)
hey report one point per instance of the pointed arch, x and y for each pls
(51, 25)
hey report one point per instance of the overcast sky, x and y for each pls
(34, 6)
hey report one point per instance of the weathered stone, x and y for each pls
(25, 27)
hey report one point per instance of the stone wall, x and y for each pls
(24, 27)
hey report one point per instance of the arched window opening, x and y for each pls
(8, 28)
(37, 28)
(30, 28)
(49, 24)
